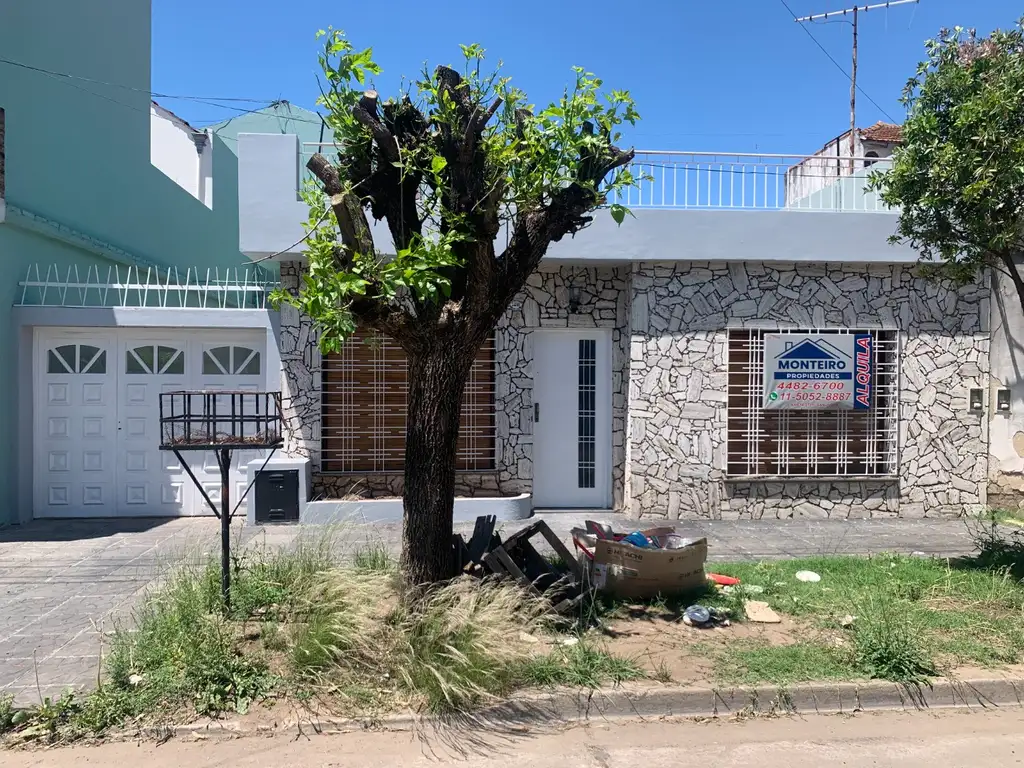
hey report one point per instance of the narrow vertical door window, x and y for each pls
(587, 418)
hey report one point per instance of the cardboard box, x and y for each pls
(627, 571)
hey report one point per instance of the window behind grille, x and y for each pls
(809, 443)
(363, 404)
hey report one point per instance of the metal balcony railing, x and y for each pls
(741, 181)
(716, 181)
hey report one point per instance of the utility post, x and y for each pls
(853, 72)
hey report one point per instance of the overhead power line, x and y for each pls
(69, 76)
(838, 66)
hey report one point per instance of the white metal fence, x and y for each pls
(739, 181)
(707, 180)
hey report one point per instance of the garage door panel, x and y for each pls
(75, 425)
(150, 364)
(97, 423)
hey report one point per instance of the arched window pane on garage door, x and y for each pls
(231, 361)
(363, 405)
(809, 443)
(154, 359)
(76, 358)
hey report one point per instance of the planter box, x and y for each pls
(390, 510)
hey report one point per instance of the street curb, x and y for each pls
(576, 707)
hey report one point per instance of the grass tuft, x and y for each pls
(582, 665)
(374, 558)
(750, 664)
(6, 713)
(456, 645)
(887, 644)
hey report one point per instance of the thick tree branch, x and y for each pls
(450, 82)
(1014, 272)
(485, 118)
(365, 112)
(355, 231)
(534, 231)
(356, 237)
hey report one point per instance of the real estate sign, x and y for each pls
(818, 371)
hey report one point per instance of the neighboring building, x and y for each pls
(183, 153)
(123, 277)
(629, 374)
(823, 172)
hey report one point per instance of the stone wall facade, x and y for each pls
(669, 324)
(603, 302)
(678, 387)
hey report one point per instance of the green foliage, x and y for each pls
(182, 650)
(910, 614)
(959, 175)
(999, 543)
(6, 712)
(582, 665)
(48, 721)
(755, 663)
(522, 160)
(374, 558)
(887, 643)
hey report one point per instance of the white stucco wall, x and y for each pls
(1006, 427)
(173, 151)
(821, 170)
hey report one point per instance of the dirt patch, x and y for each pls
(670, 651)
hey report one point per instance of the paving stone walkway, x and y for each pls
(64, 582)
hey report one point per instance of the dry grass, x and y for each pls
(316, 626)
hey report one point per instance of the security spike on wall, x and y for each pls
(135, 286)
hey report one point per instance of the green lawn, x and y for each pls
(912, 617)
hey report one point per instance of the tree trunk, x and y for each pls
(437, 379)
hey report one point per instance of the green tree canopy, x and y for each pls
(473, 183)
(958, 176)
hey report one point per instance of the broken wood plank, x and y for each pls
(482, 538)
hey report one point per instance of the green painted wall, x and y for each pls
(281, 117)
(78, 154)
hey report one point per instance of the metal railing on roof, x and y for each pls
(741, 181)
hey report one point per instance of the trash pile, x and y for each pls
(643, 563)
(640, 564)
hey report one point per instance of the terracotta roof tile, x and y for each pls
(882, 132)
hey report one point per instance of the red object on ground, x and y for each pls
(725, 581)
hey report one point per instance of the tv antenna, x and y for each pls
(854, 11)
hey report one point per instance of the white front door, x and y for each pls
(572, 418)
(96, 413)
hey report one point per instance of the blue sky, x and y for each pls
(726, 75)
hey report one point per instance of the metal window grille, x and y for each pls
(363, 406)
(587, 418)
(811, 443)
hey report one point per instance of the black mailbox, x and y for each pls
(277, 496)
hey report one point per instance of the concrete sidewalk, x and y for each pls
(62, 580)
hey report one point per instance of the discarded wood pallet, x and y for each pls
(517, 558)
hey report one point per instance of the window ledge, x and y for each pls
(809, 478)
(399, 473)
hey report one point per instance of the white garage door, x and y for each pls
(97, 433)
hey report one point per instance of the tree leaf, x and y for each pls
(619, 212)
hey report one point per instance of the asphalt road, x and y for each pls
(917, 740)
